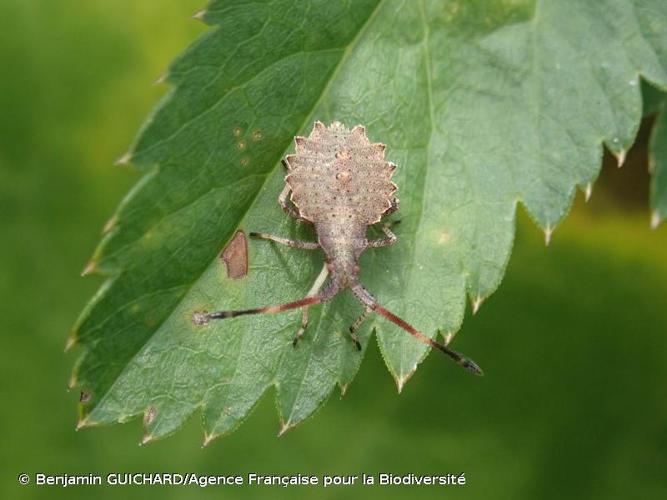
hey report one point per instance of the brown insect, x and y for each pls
(339, 182)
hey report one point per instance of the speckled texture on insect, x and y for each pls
(339, 178)
(340, 182)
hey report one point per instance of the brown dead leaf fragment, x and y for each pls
(235, 256)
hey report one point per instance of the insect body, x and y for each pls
(339, 182)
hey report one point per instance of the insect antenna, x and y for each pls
(367, 299)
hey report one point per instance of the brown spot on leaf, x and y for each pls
(257, 135)
(238, 131)
(245, 161)
(235, 256)
(84, 397)
(241, 145)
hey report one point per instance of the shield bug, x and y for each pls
(339, 182)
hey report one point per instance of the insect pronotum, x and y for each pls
(339, 182)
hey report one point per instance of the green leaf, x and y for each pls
(482, 104)
(658, 162)
(652, 99)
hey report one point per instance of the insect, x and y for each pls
(339, 182)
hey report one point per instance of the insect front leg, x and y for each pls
(394, 207)
(284, 203)
(389, 239)
(305, 245)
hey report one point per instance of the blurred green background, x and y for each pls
(574, 343)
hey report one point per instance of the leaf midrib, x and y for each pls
(426, 53)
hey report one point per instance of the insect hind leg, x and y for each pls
(366, 298)
(355, 326)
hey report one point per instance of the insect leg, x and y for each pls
(306, 245)
(284, 203)
(314, 297)
(394, 206)
(203, 317)
(366, 298)
(304, 314)
(389, 239)
(302, 328)
(355, 326)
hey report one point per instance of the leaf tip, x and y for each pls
(161, 79)
(124, 160)
(208, 439)
(588, 192)
(284, 427)
(620, 157)
(655, 220)
(109, 225)
(148, 438)
(199, 15)
(90, 268)
(548, 231)
(343, 389)
(403, 379)
(70, 342)
(84, 422)
(477, 303)
(71, 384)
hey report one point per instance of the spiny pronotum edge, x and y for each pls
(339, 182)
